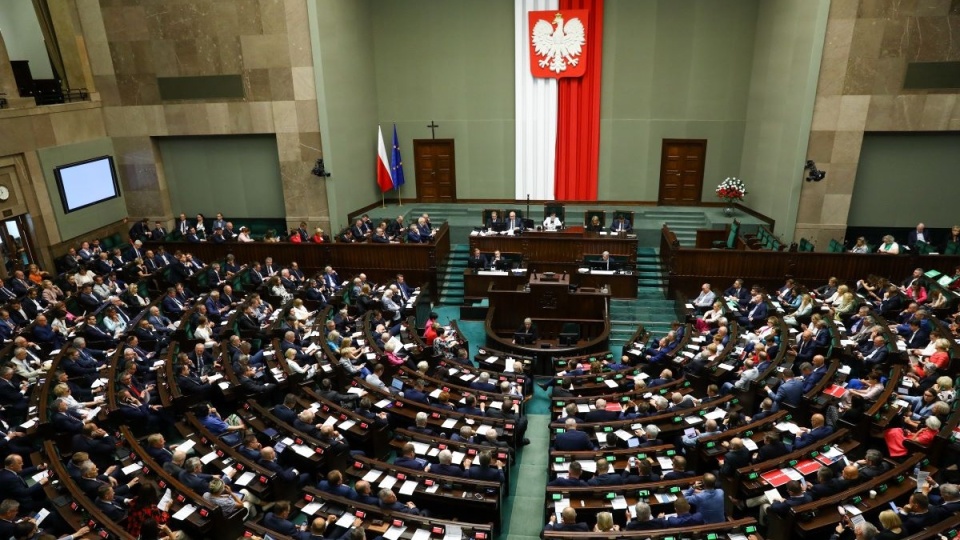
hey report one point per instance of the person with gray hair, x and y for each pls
(949, 501)
(872, 464)
(641, 519)
(445, 465)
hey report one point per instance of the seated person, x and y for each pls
(594, 224)
(497, 262)
(605, 262)
(527, 333)
(621, 224)
(513, 223)
(552, 223)
(494, 223)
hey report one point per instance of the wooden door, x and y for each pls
(681, 171)
(433, 160)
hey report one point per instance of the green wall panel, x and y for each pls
(927, 162)
(238, 175)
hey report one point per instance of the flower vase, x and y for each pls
(728, 210)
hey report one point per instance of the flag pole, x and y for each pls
(383, 202)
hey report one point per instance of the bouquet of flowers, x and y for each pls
(731, 190)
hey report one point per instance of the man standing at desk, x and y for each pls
(526, 334)
(552, 223)
(513, 223)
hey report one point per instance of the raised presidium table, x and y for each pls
(566, 321)
(570, 251)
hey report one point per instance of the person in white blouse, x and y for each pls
(552, 223)
(62, 391)
(291, 356)
(82, 277)
(299, 311)
(244, 235)
(204, 331)
(276, 289)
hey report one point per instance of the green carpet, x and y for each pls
(523, 509)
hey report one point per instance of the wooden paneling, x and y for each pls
(563, 248)
(381, 262)
(688, 268)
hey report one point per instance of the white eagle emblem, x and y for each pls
(559, 46)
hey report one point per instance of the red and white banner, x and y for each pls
(384, 179)
(558, 43)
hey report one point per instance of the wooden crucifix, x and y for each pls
(433, 129)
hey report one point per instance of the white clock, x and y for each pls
(4, 193)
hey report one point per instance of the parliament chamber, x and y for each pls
(674, 270)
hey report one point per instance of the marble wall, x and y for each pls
(869, 44)
(133, 42)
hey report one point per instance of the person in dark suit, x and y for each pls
(772, 448)
(513, 223)
(11, 397)
(192, 384)
(268, 460)
(445, 465)
(876, 355)
(737, 456)
(470, 407)
(278, 520)
(65, 420)
(795, 497)
(916, 514)
(789, 392)
(388, 501)
(477, 261)
(873, 464)
(756, 313)
(824, 486)
(96, 442)
(494, 223)
(818, 369)
(572, 440)
(679, 469)
(414, 236)
(417, 393)
(683, 517)
(641, 519)
(193, 476)
(605, 475)
(107, 504)
(485, 469)
(285, 411)
(621, 224)
(527, 332)
(574, 470)
(568, 522)
(600, 413)
(737, 293)
(14, 486)
(408, 458)
(497, 262)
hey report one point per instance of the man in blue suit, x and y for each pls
(796, 497)
(572, 479)
(876, 355)
(268, 459)
(817, 370)
(789, 392)
(621, 224)
(738, 293)
(572, 440)
(756, 313)
(408, 458)
(806, 347)
(818, 430)
(334, 484)
(683, 518)
(483, 383)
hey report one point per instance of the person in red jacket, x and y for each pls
(895, 437)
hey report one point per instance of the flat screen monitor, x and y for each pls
(86, 183)
(523, 338)
(568, 339)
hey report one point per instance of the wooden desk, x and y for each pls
(476, 283)
(562, 249)
(551, 305)
(381, 262)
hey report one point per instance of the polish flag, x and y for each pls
(384, 179)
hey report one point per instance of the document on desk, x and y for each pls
(611, 383)
(314, 507)
(454, 532)
(346, 424)
(619, 503)
(457, 457)
(132, 468)
(408, 487)
(623, 434)
(715, 414)
(773, 495)
(665, 498)
(750, 444)
(388, 482)
(393, 533)
(559, 506)
(665, 463)
(421, 534)
(186, 445)
(449, 423)
(185, 512)
(207, 458)
(372, 475)
(303, 450)
(244, 479)
(492, 359)
(420, 448)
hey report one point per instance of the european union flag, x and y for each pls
(396, 163)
